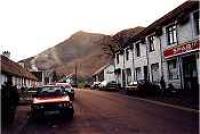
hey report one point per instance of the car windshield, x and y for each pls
(50, 91)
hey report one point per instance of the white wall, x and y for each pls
(154, 56)
(109, 73)
(129, 63)
(140, 61)
(3, 79)
(119, 65)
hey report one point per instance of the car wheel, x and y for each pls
(34, 116)
(68, 113)
(71, 114)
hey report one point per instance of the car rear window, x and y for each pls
(50, 91)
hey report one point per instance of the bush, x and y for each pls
(146, 88)
(9, 101)
(170, 91)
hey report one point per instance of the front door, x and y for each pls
(123, 78)
(190, 73)
(145, 72)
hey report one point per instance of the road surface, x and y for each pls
(98, 112)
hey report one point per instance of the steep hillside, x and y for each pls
(80, 49)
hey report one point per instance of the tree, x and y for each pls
(54, 77)
(109, 45)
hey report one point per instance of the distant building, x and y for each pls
(13, 72)
(44, 76)
(105, 73)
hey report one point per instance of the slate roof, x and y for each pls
(10, 67)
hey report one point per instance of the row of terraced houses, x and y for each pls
(167, 49)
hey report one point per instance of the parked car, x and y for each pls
(95, 85)
(51, 99)
(132, 87)
(68, 88)
(112, 85)
(103, 84)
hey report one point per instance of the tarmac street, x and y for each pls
(99, 112)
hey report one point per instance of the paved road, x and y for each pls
(98, 112)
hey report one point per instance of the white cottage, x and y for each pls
(13, 72)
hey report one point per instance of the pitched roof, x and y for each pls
(12, 68)
(101, 69)
(184, 8)
(124, 35)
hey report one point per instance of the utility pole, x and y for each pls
(76, 70)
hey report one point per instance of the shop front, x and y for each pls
(183, 64)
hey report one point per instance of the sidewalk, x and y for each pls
(183, 100)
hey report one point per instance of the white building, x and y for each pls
(105, 73)
(16, 74)
(124, 59)
(140, 60)
(168, 48)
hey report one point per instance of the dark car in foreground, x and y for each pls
(51, 100)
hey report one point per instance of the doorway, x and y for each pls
(123, 78)
(190, 74)
(145, 72)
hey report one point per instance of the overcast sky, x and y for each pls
(28, 27)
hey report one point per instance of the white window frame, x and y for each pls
(171, 31)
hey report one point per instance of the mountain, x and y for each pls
(81, 50)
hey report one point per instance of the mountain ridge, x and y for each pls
(80, 48)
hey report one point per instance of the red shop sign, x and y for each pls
(182, 49)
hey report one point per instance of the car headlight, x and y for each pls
(60, 105)
(41, 106)
(66, 104)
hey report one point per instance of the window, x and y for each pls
(138, 73)
(151, 44)
(171, 34)
(137, 46)
(172, 69)
(127, 54)
(117, 58)
(196, 22)
(155, 72)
